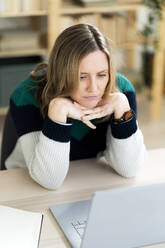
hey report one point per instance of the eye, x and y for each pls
(83, 77)
(102, 75)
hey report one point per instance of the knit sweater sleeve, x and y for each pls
(125, 150)
(45, 145)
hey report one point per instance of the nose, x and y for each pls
(92, 85)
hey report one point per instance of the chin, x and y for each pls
(89, 104)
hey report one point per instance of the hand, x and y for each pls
(116, 103)
(62, 108)
(88, 123)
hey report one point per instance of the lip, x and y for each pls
(91, 97)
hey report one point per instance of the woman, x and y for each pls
(75, 107)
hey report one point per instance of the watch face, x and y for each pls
(126, 116)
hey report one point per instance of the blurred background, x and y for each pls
(135, 30)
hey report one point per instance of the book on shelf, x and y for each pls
(8, 6)
(31, 5)
(129, 1)
(44, 4)
(19, 228)
(121, 27)
(16, 6)
(95, 3)
(28, 45)
(132, 35)
(90, 19)
(2, 6)
(70, 3)
(19, 39)
(115, 28)
(65, 22)
(109, 28)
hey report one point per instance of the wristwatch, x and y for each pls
(125, 117)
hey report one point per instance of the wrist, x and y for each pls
(125, 117)
(57, 111)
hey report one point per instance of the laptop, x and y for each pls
(118, 218)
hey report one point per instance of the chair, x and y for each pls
(9, 139)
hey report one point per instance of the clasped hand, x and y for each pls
(62, 108)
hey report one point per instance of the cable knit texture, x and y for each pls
(46, 147)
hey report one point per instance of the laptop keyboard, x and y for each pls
(79, 226)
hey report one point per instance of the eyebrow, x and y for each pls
(97, 72)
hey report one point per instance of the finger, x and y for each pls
(95, 110)
(79, 106)
(89, 124)
(92, 116)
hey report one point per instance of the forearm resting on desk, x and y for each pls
(126, 156)
(46, 160)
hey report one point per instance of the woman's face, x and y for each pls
(94, 77)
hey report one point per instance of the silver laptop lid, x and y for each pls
(68, 215)
(126, 218)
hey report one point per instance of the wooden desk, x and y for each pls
(18, 190)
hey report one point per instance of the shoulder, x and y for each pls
(24, 93)
(123, 84)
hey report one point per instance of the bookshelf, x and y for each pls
(22, 14)
(19, 10)
(33, 14)
(107, 9)
(22, 53)
(56, 12)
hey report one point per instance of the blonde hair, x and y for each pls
(60, 76)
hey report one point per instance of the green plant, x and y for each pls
(150, 37)
(155, 14)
